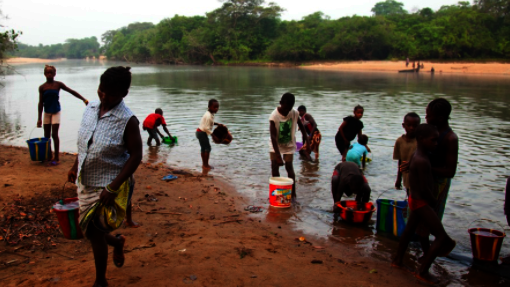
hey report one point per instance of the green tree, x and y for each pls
(389, 7)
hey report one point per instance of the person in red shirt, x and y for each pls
(151, 124)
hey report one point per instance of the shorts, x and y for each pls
(286, 157)
(153, 133)
(203, 139)
(53, 119)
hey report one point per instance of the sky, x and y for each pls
(54, 21)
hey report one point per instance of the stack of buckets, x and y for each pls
(280, 190)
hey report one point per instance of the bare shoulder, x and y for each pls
(60, 84)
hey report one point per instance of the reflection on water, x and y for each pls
(248, 95)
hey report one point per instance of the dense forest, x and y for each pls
(252, 31)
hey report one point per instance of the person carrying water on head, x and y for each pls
(348, 179)
(49, 102)
(405, 147)
(283, 123)
(422, 200)
(351, 126)
(312, 131)
(358, 151)
(151, 124)
(109, 152)
(205, 129)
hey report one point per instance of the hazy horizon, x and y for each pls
(52, 22)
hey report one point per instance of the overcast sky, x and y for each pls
(54, 21)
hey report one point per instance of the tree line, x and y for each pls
(71, 49)
(251, 31)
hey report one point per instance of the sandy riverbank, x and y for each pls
(21, 61)
(394, 67)
(214, 242)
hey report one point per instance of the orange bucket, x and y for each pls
(349, 212)
(486, 243)
(280, 191)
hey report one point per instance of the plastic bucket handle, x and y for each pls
(489, 220)
(30, 134)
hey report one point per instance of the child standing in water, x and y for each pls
(351, 126)
(151, 124)
(312, 131)
(421, 203)
(49, 101)
(205, 129)
(109, 152)
(358, 151)
(405, 147)
(283, 123)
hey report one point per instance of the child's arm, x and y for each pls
(72, 174)
(305, 136)
(166, 130)
(363, 160)
(159, 133)
(40, 108)
(398, 182)
(133, 142)
(368, 149)
(274, 142)
(73, 92)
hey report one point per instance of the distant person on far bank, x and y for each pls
(283, 123)
(151, 124)
(407, 62)
(348, 130)
(49, 102)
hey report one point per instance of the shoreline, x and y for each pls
(22, 61)
(197, 232)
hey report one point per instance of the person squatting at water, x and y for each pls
(422, 201)
(313, 133)
(151, 124)
(405, 147)
(350, 127)
(109, 152)
(348, 179)
(206, 128)
(49, 101)
(283, 123)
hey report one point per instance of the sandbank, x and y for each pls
(21, 61)
(202, 236)
(395, 66)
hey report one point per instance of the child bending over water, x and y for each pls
(405, 147)
(49, 102)
(205, 129)
(312, 131)
(351, 126)
(348, 179)
(283, 123)
(421, 203)
(358, 151)
(109, 152)
(151, 124)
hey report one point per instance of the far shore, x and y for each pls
(21, 61)
(394, 67)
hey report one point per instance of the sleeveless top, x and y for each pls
(101, 149)
(308, 125)
(51, 101)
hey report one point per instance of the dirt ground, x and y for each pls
(394, 67)
(208, 240)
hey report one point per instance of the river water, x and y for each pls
(248, 95)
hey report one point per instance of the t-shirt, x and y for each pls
(285, 131)
(403, 151)
(352, 128)
(358, 150)
(207, 122)
(150, 121)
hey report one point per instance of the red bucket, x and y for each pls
(350, 213)
(486, 243)
(280, 191)
(68, 214)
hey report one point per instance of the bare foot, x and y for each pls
(207, 167)
(118, 251)
(98, 284)
(401, 266)
(132, 224)
(426, 278)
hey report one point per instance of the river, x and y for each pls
(247, 96)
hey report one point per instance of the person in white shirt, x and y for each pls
(206, 128)
(283, 122)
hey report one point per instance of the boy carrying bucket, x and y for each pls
(421, 203)
(108, 155)
(283, 123)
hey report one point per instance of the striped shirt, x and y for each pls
(101, 150)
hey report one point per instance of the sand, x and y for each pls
(205, 246)
(21, 61)
(394, 67)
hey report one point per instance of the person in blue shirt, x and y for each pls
(49, 102)
(358, 151)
